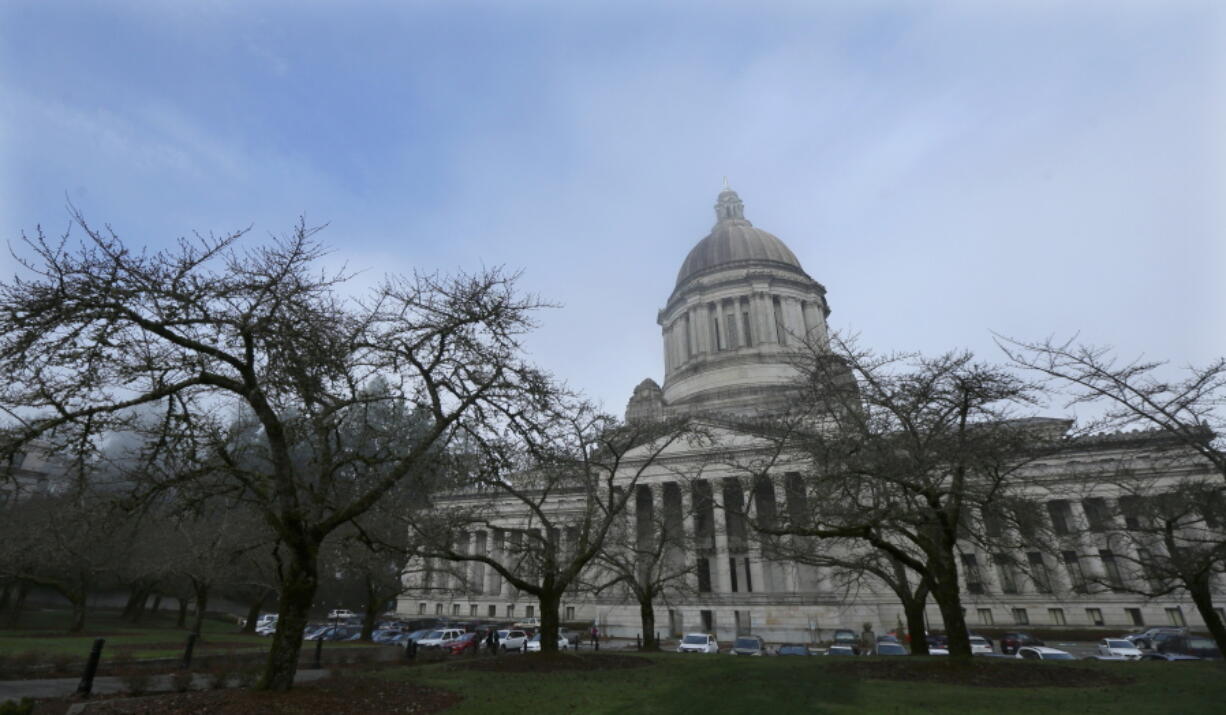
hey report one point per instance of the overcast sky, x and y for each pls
(944, 169)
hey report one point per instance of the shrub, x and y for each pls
(12, 707)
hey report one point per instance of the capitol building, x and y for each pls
(741, 311)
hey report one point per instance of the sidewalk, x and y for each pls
(109, 684)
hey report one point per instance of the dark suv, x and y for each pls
(1010, 642)
(748, 645)
(1199, 646)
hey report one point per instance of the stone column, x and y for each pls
(721, 581)
(763, 319)
(687, 531)
(793, 320)
(815, 322)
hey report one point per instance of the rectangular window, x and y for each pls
(974, 581)
(1175, 616)
(570, 613)
(1130, 507)
(421, 609)
(1134, 616)
(493, 611)
(1061, 517)
(529, 611)
(704, 575)
(1095, 615)
(1038, 572)
(1021, 617)
(1076, 576)
(1056, 615)
(716, 333)
(745, 332)
(708, 621)
(438, 609)
(780, 332)
(730, 329)
(455, 609)
(993, 525)
(689, 344)
(1097, 515)
(748, 578)
(510, 610)
(1112, 568)
(1007, 572)
(732, 573)
(743, 623)
(985, 616)
(472, 610)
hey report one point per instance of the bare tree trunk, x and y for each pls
(19, 604)
(141, 605)
(78, 612)
(253, 613)
(182, 620)
(1202, 596)
(372, 610)
(945, 593)
(914, 609)
(157, 604)
(297, 595)
(5, 596)
(202, 604)
(549, 621)
(647, 614)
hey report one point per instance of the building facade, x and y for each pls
(732, 328)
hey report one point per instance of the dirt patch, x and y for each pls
(982, 674)
(341, 696)
(540, 663)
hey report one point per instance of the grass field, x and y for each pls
(155, 637)
(724, 684)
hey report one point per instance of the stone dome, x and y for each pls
(735, 241)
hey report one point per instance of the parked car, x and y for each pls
(980, 645)
(571, 636)
(1118, 647)
(935, 641)
(1169, 657)
(840, 650)
(938, 651)
(468, 643)
(1199, 646)
(534, 644)
(1035, 652)
(891, 649)
(512, 640)
(698, 643)
(527, 624)
(846, 636)
(748, 645)
(341, 613)
(1010, 642)
(793, 649)
(1146, 639)
(887, 638)
(436, 638)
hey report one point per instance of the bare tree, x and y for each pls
(649, 556)
(94, 329)
(564, 472)
(898, 452)
(1174, 535)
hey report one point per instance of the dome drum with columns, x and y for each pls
(741, 310)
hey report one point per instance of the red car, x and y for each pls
(467, 643)
(1010, 642)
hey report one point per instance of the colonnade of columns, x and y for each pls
(758, 318)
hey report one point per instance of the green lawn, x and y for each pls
(719, 684)
(155, 637)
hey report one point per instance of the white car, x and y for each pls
(512, 640)
(980, 645)
(698, 643)
(341, 613)
(436, 639)
(1119, 646)
(1034, 652)
(534, 645)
